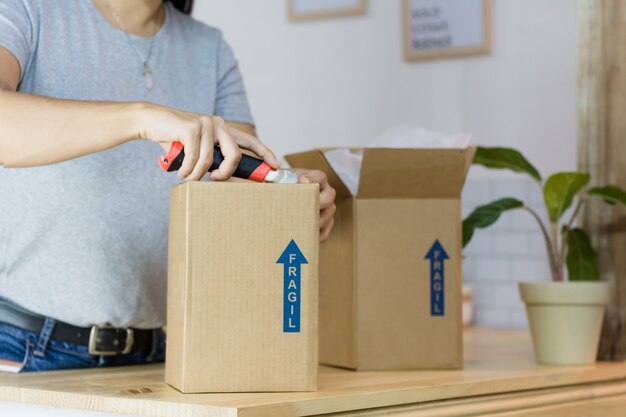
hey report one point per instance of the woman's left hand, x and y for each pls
(327, 198)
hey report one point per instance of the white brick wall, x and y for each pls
(500, 256)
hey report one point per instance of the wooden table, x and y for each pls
(500, 378)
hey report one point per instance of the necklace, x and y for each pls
(147, 71)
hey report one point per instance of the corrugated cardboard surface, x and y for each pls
(393, 290)
(375, 279)
(315, 160)
(337, 307)
(225, 295)
(412, 173)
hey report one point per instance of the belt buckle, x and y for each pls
(93, 342)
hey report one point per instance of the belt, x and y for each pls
(100, 340)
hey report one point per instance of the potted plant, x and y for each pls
(565, 316)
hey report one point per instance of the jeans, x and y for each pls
(23, 351)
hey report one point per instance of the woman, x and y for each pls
(89, 90)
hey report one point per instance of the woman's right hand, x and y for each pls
(199, 134)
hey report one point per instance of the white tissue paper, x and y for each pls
(347, 163)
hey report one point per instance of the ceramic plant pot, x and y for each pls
(565, 320)
(467, 306)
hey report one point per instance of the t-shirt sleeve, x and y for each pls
(17, 30)
(231, 101)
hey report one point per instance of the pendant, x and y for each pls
(147, 74)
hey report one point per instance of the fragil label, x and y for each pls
(437, 256)
(292, 260)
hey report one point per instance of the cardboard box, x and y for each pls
(390, 273)
(243, 287)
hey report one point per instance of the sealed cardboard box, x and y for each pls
(390, 273)
(243, 287)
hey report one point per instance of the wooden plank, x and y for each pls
(593, 399)
(359, 9)
(602, 148)
(497, 362)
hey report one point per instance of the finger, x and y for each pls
(253, 143)
(205, 158)
(192, 149)
(325, 232)
(232, 153)
(327, 196)
(327, 216)
(327, 193)
(312, 177)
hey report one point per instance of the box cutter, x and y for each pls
(249, 168)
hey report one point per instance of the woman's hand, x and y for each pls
(327, 198)
(199, 134)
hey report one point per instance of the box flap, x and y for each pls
(315, 160)
(469, 158)
(414, 173)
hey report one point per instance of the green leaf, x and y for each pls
(487, 215)
(610, 193)
(582, 259)
(505, 158)
(559, 192)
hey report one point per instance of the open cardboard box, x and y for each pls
(390, 273)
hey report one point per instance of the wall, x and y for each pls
(344, 81)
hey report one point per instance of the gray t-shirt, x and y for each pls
(85, 241)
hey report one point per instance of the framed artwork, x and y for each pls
(321, 9)
(446, 28)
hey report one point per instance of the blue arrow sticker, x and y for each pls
(437, 256)
(292, 259)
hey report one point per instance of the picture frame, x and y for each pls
(298, 10)
(437, 29)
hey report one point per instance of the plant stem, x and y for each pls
(554, 229)
(563, 245)
(569, 225)
(575, 213)
(556, 276)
